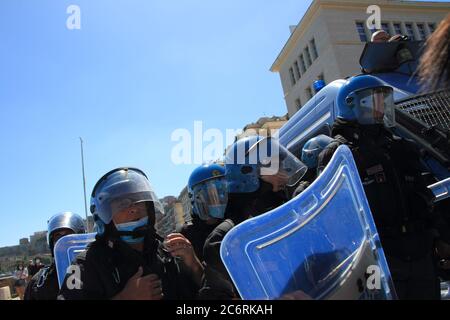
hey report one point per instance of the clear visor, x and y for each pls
(119, 204)
(211, 198)
(118, 193)
(276, 160)
(376, 106)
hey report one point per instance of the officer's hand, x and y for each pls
(180, 247)
(138, 287)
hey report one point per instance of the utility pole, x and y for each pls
(84, 186)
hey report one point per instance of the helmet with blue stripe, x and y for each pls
(250, 158)
(208, 192)
(312, 148)
(366, 100)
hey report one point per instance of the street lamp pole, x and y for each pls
(84, 186)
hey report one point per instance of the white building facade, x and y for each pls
(328, 41)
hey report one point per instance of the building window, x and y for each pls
(397, 28)
(315, 53)
(297, 70)
(410, 31)
(291, 72)
(385, 27)
(302, 63)
(308, 57)
(432, 27)
(422, 33)
(298, 104)
(361, 31)
(309, 93)
(372, 31)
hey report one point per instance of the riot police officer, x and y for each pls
(209, 197)
(310, 153)
(128, 260)
(258, 170)
(391, 173)
(44, 284)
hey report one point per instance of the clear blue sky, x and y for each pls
(136, 71)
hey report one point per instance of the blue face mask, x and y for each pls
(218, 211)
(131, 226)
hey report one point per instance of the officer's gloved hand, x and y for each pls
(138, 287)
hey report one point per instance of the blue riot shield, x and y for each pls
(323, 244)
(441, 190)
(66, 250)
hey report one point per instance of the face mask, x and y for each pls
(217, 212)
(131, 226)
(38, 261)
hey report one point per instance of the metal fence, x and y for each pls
(433, 109)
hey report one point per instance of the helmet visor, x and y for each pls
(121, 190)
(275, 159)
(375, 106)
(211, 198)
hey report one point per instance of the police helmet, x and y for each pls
(312, 148)
(208, 191)
(252, 157)
(117, 190)
(366, 100)
(64, 220)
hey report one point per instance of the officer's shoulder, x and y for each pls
(94, 251)
(331, 148)
(211, 247)
(338, 140)
(219, 232)
(406, 146)
(225, 226)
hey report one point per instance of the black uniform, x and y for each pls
(43, 285)
(196, 233)
(106, 267)
(400, 202)
(217, 284)
(34, 268)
